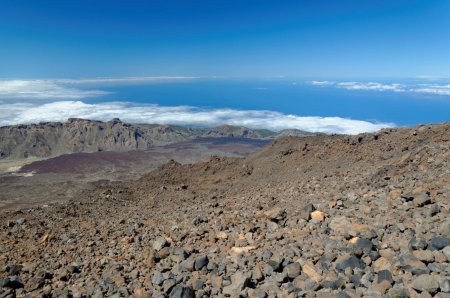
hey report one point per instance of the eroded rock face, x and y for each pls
(380, 227)
(81, 135)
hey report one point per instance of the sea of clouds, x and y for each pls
(13, 113)
(32, 101)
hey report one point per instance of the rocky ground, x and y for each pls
(64, 177)
(322, 216)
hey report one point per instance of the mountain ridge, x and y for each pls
(49, 139)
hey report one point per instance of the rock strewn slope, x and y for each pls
(323, 216)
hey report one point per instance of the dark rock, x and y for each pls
(15, 283)
(201, 262)
(364, 244)
(333, 284)
(350, 261)
(417, 244)
(276, 263)
(384, 275)
(181, 291)
(439, 243)
(355, 279)
(15, 269)
(4, 282)
(305, 212)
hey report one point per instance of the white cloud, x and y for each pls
(126, 80)
(372, 86)
(322, 83)
(42, 89)
(58, 89)
(181, 115)
(433, 89)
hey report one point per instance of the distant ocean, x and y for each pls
(289, 97)
(348, 107)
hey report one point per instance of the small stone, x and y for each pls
(257, 274)
(444, 284)
(20, 221)
(381, 264)
(309, 269)
(239, 281)
(424, 255)
(241, 250)
(158, 279)
(180, 291)
(421, 199)
(439, 243)
(305, 212)
(340, 225)
(168, 284)
(446, 252)
(201, 262)
(363, 244)
(34, 283)
(222, 235)
(349, 261)
(15, 269)
(275, 214)
(398, 293)
(317, 215)
(198, 284)
(140, 293)
(427, 283)
(384, 275)
(395, 194)
(276, 262)
(293, 270)
(417, 244)
(159, 243)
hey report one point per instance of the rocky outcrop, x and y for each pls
(321, 216)
(80, 135)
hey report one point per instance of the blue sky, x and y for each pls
(310, 39)
(344, 66)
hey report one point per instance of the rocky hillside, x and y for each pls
(320, 216)
(80, 135)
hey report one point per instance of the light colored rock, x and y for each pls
(425, 282)
(309, 269)
(222, 235)
(381, 264)
(239, 250)
(318, 215)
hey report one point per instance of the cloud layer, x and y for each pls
(58, 89)
(431, 89)
(15, 113)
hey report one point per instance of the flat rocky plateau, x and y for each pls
(319, 216)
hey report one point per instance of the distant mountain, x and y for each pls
(80, 135)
